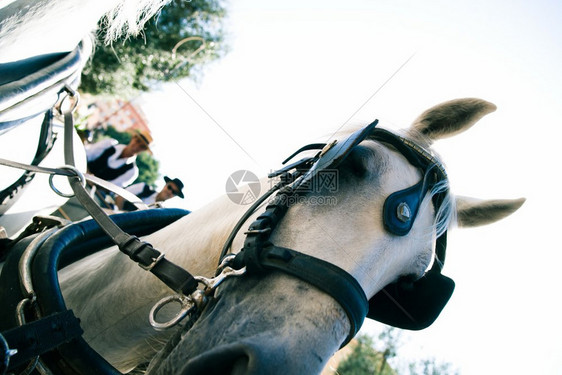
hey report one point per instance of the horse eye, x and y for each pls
(359, 161)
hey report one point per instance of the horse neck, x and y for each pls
(31, 28)
(195, 242)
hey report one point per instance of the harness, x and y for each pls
(406, 304)
(34, 318)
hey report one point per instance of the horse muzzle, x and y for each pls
(258, 325)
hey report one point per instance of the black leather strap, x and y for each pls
(323, 275)
(41, 336)
(47, 138)
(242, 220)
(143, 253)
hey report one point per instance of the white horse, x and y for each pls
(272, 324)
(277, 324)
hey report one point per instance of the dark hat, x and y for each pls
(178, 183)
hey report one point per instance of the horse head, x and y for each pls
(277, 323)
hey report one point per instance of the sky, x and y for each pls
(297, 71)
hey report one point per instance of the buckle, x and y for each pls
(328, 147)
(151, 265)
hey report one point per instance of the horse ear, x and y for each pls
(452, 117)
(473, 212)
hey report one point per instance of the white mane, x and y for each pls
(129, 16)
(38, 27)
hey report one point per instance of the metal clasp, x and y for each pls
(187, 305)
(196, 300)
(76, 173)
(73, 95)
(212, 283)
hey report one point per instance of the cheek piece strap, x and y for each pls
(413, 304)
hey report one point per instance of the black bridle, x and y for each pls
(259, 255)
(393, 305)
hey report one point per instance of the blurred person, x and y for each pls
(114, 162)
(149, 195)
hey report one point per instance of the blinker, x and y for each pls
(415, 306)
(401, 207)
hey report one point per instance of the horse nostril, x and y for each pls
(240, 366)
(233, 359)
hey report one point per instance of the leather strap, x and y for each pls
(40, 336)
(142, 253)
(242, 220)
(10, 195)
(323, 275)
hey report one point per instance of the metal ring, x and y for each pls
(186, 306)
(76, 172)
(71, 93)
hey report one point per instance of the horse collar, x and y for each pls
(29, 89)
